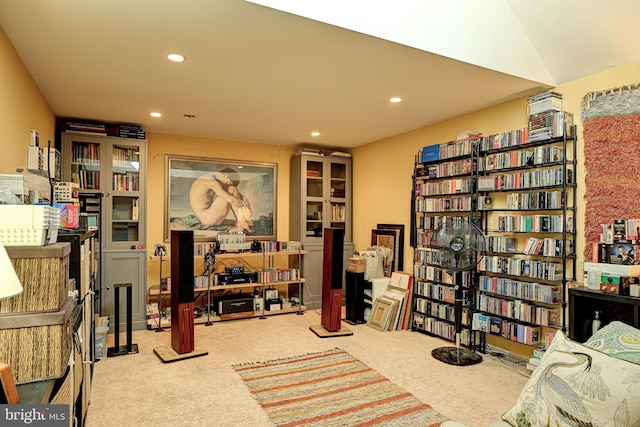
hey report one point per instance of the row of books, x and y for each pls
(550, 124)
(512, 331)
(449, 186)
(545, 101)
(439, 310)
(435, 291)
(446, 169)
(535, 269)
(519, 310)
(532, 291)
(280, 246)
(437, 274)
(271, 275)
(436, 222)
(519, 158)
(459, 204)
(531, 223)
(525, 179)
(79, 127)
(536, 200)
(85, 152)
(620, 230)
(439, 327)
(543, 246)
(500, 244)
(125, 181)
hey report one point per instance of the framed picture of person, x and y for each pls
(211, 196)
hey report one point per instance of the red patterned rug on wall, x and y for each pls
(612, 159)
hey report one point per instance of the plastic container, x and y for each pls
(100, 348)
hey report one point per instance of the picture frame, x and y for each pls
(380, 313)
(399, 264)
(212, 196)
(387, 239)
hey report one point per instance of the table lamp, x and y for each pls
(9, 283)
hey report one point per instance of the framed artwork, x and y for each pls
(211, 196)
(399, 265)
(380, 314)
(387, 242)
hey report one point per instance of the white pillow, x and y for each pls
(574, 386)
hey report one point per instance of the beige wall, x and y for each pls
(22, 108)
(382, 170)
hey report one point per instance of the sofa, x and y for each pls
(596, 383)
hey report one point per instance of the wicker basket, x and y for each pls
(44, 274)
(37, 345)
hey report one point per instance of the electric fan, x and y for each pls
(458, 246)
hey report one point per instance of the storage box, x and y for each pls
(69, 215)
(273, 304)
(37, 345)
(28, 225)
(100, 346)
(44, 274)
(356, 265)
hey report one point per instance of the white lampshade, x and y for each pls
(9, 283)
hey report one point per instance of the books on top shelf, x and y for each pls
(309, 151)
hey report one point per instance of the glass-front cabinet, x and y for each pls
(113, 168)
(111, 173)
(324, 187)
(320, 198)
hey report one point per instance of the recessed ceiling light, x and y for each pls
(175, 57)
(155, 114)
(395, 99)
(315, 133)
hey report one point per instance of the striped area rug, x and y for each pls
(332, 388)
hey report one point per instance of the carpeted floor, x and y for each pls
(332, 388)
(139, 390)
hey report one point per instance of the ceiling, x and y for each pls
(257, 73)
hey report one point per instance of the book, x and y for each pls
(619, 228)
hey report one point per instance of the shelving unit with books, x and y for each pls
(526, 192)
(275, 286)
(444, 189)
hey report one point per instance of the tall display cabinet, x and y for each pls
(320, 198)
(114, 170)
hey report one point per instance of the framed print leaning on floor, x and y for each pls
(211, 196)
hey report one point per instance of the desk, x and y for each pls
(584, 302)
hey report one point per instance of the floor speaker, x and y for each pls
(332, 271)
(182, 297)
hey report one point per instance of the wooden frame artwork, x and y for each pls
(399, 262)
(379, 314)
(211, 196)
(387, 239)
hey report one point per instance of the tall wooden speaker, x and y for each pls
(182, 299)
(332, 278)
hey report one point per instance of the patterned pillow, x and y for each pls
(578, 386)
(619, 340)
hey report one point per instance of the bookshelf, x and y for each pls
(526, 193)
(444, 190)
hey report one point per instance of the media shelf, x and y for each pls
(444, 189)
(527, 197)
(209, 292)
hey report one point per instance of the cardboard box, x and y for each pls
(356, 265)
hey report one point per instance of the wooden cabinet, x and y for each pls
(320, 198)
(113, 170)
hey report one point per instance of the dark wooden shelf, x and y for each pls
(584, 302)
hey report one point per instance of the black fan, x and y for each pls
(457, 246)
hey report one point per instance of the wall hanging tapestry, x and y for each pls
(612, 158)
(332, 388)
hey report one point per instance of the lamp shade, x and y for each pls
(9, 283)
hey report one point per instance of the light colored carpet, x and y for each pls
(140, 390)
